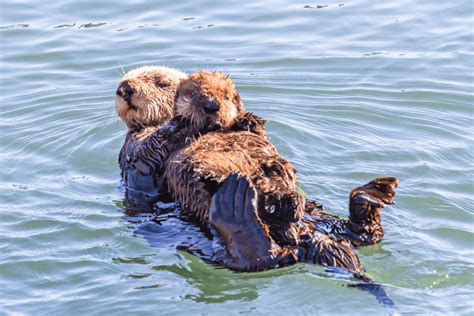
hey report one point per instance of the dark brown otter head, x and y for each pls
(208, 99)
(145, 96)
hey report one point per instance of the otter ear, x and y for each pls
(238, 102)
(176, 97)
(182, 81)
(178, 88)
(186, 85)
(181, 86)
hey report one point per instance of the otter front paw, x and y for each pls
(233, 214)
(251, 123)
(284, 206)
(312, 207)
(213, 127)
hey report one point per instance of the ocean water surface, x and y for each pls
(352, 90)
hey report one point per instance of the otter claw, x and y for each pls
(213, 127)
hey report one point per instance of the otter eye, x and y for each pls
(162, 84)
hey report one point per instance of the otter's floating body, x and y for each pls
(209, 139)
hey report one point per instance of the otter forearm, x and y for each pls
(150, 156)
(247, 121)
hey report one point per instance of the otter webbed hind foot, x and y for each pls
(233, 214)
(365, 210)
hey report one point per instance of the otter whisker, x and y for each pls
(123, 71)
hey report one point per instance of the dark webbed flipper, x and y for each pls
(233, 213)
(365, 207)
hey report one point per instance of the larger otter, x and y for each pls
(144, 101)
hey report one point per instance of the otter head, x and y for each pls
(145, 96)
(208, 100)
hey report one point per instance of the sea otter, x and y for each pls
(195, 173)
(208, 100)
(144, 101)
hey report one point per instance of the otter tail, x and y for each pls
(368, 285)
(378, 291)
(339, 257)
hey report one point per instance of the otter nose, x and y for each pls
(125, 90)
(211, 106)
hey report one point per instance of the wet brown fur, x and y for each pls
(194, 173)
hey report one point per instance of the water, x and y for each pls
(352, 90)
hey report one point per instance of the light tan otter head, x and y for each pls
(145, 96)
(208, 98)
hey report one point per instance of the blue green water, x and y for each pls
(352, 90)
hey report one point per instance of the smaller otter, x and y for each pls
(195, 173)
(208, 100)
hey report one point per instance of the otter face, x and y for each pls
(145, 96)
(208, 99)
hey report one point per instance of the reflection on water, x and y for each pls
(168, 228)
